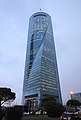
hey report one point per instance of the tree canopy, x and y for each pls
(53, 108)
(6, 95)
(73, 103)
(47, 99)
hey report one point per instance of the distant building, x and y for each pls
(76, 96)
(41, 73)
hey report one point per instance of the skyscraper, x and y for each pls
(41, 73)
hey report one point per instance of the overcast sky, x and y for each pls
(66, 21)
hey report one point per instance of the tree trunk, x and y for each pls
(0, 103)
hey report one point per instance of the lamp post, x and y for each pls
(0, 100)
(71, 93)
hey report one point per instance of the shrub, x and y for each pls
(14, 113)
(1, 114)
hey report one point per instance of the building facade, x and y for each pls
(76, 96)
(41, 73)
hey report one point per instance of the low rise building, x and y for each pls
(76, 96)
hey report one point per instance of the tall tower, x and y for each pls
(41, 73)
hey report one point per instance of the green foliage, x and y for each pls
(14, 113)
(25, 108)
(1, 114)
(73, 103)
(6, 95)
(52, 108)
(45, 100)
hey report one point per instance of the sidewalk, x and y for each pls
(39, 117)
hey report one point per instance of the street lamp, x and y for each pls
(71, 93)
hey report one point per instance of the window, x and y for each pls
(40, 15)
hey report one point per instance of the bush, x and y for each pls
(1, 114)
(14, 113)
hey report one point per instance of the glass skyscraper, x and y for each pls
(41, 73)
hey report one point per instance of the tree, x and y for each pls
(44, 101)
(6, 95)
(52, 108)
(47, 99)
(73, 103)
